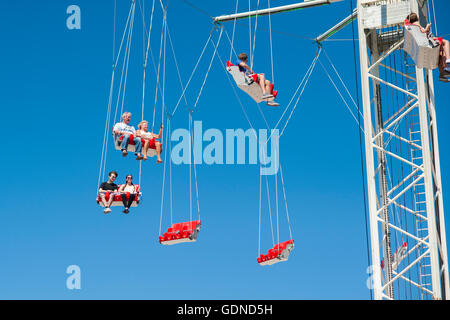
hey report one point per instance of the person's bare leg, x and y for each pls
(268, 90)
(145, 149)
(111, 199)
(267, 86)
(270, 101)
(262, 82)
(103, 200)
(158, 152)
(446, 49)
(444, 66)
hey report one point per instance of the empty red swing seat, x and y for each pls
(397, 257)
(181, 232)
(280, 252)
(117, 202)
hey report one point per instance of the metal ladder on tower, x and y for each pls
(424, 276)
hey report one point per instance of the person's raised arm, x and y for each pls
(424, 30)
(160, 132)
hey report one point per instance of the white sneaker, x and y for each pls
(273, 103)
(107, 210)
(267, 96)
(444, 76)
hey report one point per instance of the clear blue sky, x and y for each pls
(54, 89)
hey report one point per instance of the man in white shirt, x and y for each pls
(124, 129)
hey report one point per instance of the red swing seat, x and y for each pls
(279, 253)
(181, 232)
(151, 152)
(249, 84)
(424, 49)
(117, 202)
(397, 257)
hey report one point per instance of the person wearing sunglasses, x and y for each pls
(126, 188)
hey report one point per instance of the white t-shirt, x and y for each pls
(122, 127)
(146, 135)
(130, 189)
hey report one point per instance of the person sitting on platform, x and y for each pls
(444, 61)
(124, 129)
(108, 187)
(259, 78)
(128, 187)
(149, 138)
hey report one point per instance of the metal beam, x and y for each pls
(337, 27)
(263, 12)
(429, 192)
(370, 161)
(438, 186)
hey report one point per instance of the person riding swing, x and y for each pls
(259, 78)
(444, 60)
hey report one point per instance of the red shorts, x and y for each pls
(255, 78)
(151, 144)
(440, 39)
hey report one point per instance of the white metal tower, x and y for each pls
(407, 232)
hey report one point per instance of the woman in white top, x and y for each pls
(149, 138)
(124, 189)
